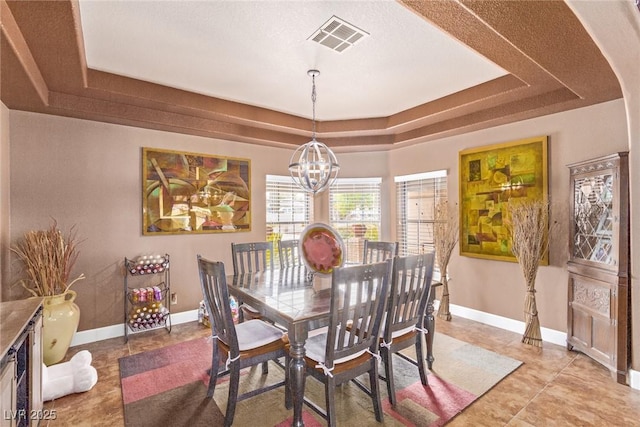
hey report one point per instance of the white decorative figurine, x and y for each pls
(75, 376)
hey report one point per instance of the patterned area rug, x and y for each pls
(168, 385)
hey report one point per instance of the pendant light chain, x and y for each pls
(313, 166)
(313, 108)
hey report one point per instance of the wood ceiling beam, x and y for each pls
(24, 81)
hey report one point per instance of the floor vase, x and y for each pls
(60, 321)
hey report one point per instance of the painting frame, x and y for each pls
(490, 176)
(194, 193)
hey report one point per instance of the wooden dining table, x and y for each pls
(299, 301)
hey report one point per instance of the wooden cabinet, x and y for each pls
(21, 362)
(599, 293)
(36, 403)
(8, 393)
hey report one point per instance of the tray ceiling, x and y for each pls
(238, 70)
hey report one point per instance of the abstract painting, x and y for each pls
(491, 177)
(186, 193)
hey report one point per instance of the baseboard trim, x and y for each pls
(548, 335)
(634, 379)
(115, 331)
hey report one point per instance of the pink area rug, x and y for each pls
(168, 385)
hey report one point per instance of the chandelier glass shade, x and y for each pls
(313, 166)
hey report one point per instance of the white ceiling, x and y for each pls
(258, 53)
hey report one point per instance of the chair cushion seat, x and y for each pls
(401, 332)
(256, 333)
(316, 348)
(394, 334)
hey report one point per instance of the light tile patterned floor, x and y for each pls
(554, 387)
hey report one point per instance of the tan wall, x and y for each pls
(497, 287)
(4, 199)
(88, 173)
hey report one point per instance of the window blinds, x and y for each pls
(354, 209)
(416, 199)
(289, 208)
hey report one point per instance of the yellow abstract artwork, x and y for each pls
(491, 177)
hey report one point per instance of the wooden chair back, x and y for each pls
(288, 253)
(409, 293)
(358, 293)
(238, 346)
(216, 298)
(378, 251)
(252, 257)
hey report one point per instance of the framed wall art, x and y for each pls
(490, 178)
(186, 193)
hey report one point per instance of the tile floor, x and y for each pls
(554, 387)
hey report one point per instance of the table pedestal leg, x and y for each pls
(297, 380)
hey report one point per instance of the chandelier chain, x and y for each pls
(313, 108)
(313, 166)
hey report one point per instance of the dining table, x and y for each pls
(299, 301)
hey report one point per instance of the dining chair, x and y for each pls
(342, 354)
(377, 251)
(288, 253)
(238, 345)
(251, 257)
(404, 324)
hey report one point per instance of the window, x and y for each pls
(289, 208)
(354, 209)
(416, 199)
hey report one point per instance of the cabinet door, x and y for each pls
(594, 219)
(8, 395)
(599, 229)
(597, 321)
(36, 367)
(591, 312)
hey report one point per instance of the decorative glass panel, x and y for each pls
(593, 220)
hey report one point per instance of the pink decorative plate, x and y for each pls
(322, 248)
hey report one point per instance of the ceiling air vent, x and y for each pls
(337, 34)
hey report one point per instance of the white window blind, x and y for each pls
(289, 208)
(416, 198)
(354, 206)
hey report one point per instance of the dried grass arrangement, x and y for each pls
(48, 257)
(529, 226)
(445, 236)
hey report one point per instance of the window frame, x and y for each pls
(296, 202)
(431, 188)
(370, 216)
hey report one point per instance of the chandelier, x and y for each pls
(313, 166)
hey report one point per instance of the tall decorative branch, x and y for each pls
(445, 236)
(48, 257)
(529, 226)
